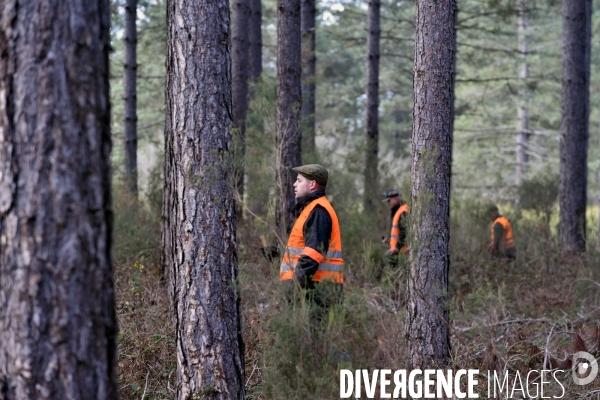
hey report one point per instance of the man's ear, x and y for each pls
(312, 185)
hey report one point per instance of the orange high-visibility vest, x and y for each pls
(330, 265)
(395, 234)
(506, 242)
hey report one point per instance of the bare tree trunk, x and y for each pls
(199, 243)
(289, 101)
(309, 58)
(372, 123)
(255, 37)
(574, 128)
(239, 59)
(58, 330)
(256, 193)
(523, 93)
(435, 51)
(130, 96)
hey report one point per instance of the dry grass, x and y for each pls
(146, 338)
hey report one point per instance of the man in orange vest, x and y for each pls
(314, 248)
(399, 209)
(502, 244)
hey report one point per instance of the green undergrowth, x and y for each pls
(518, 316)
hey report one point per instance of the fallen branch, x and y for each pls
(510, 321)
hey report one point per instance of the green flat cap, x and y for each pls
(314, 172)
(491, 208)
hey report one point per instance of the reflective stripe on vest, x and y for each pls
(506, 241)
(330, 264)
(395, 233)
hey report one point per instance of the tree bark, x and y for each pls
(58, 329)
(239, 59)
(309, 59)
(289, 102)
(523, 93)
(255, 37)
(130, 96)
(435, 51)
(256, 193)
(372, 123)
(198, 237)
(574, 127)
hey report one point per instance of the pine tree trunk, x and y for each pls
(199, 243)
(130, 95)
(256, 193)
(309, 58)
(255, 37)
(523, 108)
(239, 70)
(574, 128)
(289, 102)
(58, 329)
(435, 50)
(372, 123)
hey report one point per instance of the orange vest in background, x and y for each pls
(330, 265)
(395, 234)
(507, 241)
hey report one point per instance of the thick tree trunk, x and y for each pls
(255, 37)
(309, 58)
(523, 108)
(130, 95)
(58, 330)
(289, 102)
(199, 244)
(239, 69)
(574, 128)
(372, 123)
(435, 51)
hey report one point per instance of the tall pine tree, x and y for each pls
(428, 329)
(574, 135)
(58, 329)
(240, 46)
(255, 39)
(130, 95)
(371, 176)
(289, 102)
(198, 238)
(309, 58)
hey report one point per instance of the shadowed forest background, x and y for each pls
(528, 315)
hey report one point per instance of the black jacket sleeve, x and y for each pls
(498, 233)
(317, 231)
(402, 225)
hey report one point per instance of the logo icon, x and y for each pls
(586, 371)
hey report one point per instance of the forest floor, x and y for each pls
(532, 314)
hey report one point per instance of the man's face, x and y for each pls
(303, 186)
(393, 201)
